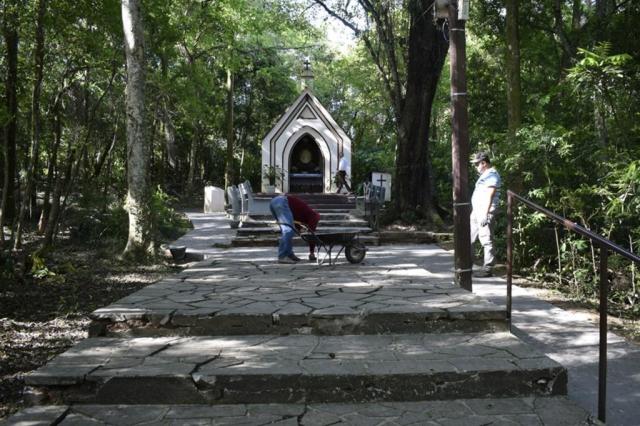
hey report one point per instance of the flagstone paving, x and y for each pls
(380, 338)
(246, 292)
(529, 411)
(296, 368)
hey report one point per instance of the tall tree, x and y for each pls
(138, 194)
(409, 50)
(514, 108)
(229, 163)
(32, 169)
(10, 27)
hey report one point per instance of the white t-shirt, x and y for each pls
(480, 198)
(344, 164)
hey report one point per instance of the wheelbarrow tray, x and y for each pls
(330, 238)
(327, 241)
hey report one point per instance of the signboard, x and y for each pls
(384, 180)
(213, 199)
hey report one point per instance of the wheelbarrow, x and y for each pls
(325, 242)
(354, 250)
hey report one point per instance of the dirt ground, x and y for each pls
(42, 317)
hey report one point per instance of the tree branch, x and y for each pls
(357, 31)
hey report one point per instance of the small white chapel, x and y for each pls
(306, 144)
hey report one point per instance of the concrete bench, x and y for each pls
(252, 205)
(235, 212)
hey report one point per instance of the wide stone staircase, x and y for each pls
(240, 340)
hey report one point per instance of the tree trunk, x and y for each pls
(103, 155)
(138, 199)
(229, 166)
(568, 51)
(600, 123)
(514, 91)
(52, 166)
(426, 56)
(168, 129)
(169, 132)
(191, 176)
(8, 207)
(35, 121)
(54, 214)
(514, 110)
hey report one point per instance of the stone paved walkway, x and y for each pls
(252, 294)
(313, 369)
(556, 411)
(392, 282)
(569, 338)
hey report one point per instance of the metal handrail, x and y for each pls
(604, 245)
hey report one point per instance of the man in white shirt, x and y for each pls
(341, 177)
(484, 203)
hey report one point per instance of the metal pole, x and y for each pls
(602, 364)
(460, 150)
(509, 254)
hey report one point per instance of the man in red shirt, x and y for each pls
(287, 209)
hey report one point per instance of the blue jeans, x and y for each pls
(280, 210)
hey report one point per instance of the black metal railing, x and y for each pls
(374, 196)
(605, 245)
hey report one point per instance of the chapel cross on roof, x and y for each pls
(307, 75)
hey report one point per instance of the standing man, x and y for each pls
(287, 209)
(341, 177)
(484, 203)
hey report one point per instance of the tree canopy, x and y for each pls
(552, 96)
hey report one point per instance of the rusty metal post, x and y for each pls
(460, 150)
(509, 254)
(602, 364)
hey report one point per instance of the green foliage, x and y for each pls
(273, 174)
(39, 268)
(576, 152)
(167, 223)
(577, 149)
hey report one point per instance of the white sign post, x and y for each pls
(383, 180)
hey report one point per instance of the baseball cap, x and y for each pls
(480, 156)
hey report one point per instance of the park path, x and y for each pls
(566, 336)
(243, 340)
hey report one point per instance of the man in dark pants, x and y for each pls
(341, 177)
(288, 209)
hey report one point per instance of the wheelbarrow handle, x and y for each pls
(302, 226)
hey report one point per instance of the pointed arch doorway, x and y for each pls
(306, 166)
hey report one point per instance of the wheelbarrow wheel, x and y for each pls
(355, 253)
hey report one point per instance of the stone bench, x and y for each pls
(252, 205)
(235, 202)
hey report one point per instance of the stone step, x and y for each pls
(252, 294)
(355, 227)
(334, 208)
(326, 198)
(324, 216)
(271, 240)
(297, 368)
(328, 224)
(556, 410)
